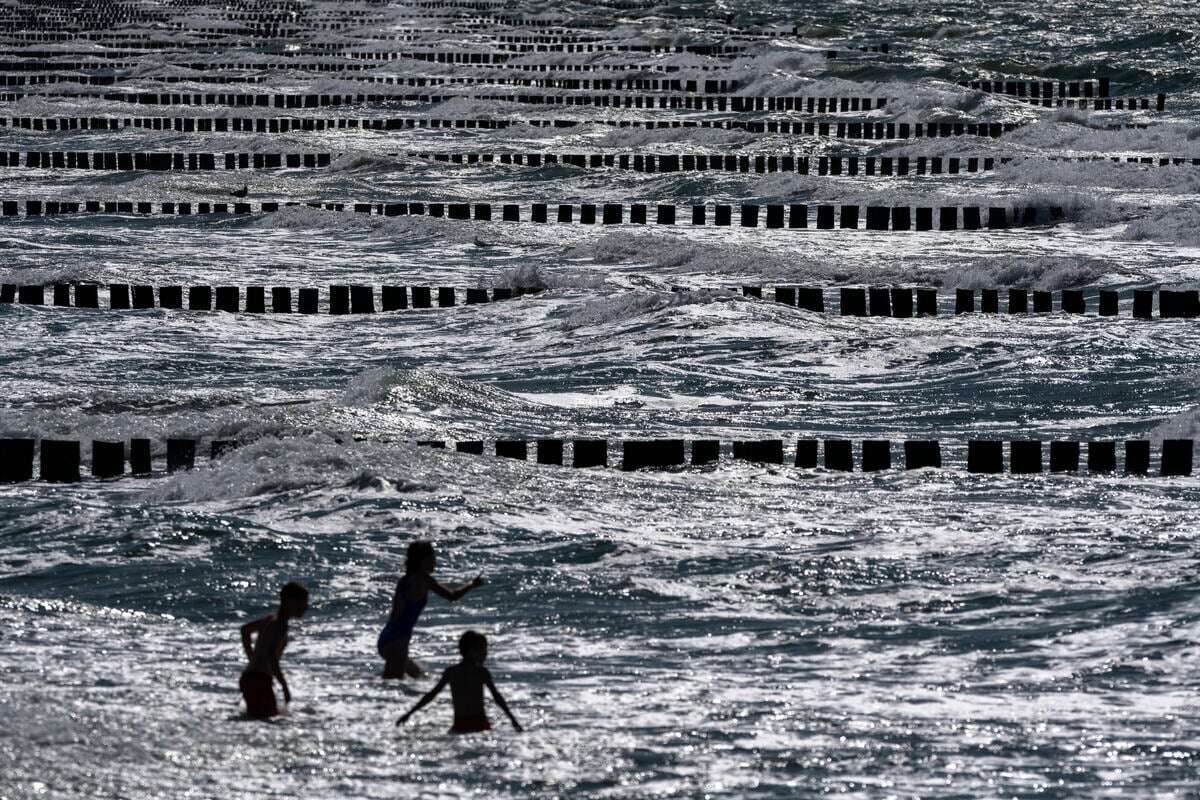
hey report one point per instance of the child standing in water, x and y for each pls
(467, 679)
(412, 592)
(264, 653)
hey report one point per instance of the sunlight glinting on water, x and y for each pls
(746, 631)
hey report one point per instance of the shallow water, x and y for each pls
(748, 631)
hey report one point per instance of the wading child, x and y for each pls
(467, 679)
(408, 601)
(264, 653)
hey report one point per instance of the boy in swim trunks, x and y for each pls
(467, 679)
(264, 653)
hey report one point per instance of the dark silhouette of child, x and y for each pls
(408, 601)
(467, 679)
(267, 648)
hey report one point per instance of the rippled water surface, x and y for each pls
(745, 631)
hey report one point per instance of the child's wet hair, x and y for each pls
(293, 591)
(418, 551)
(471, 641)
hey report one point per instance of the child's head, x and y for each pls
(473, 646)
(420, 557)
(293, 599)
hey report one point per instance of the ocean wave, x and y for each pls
(624, 139)
(54, 273)
(403, 228)
(536, 276)
(1102, 174)
(272, 466)
(632, 305)
(1179, 225)
(672, 252)
(420, 391)
(1078, 206)
(1073, 132)
(1045, 273)
(109, 417)
(1184, 425)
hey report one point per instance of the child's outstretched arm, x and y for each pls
(427, 699)
(455, 594)
(487, 677)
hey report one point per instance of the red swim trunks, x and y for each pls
(260, 695)
(471, 725)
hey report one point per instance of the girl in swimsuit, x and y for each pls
(412, 592)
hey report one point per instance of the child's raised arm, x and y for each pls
(454, 594)
(427, 699)
(487, 678)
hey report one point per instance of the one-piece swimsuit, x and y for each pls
(401, 626)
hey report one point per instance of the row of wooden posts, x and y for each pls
(875, 301)
(60, 460)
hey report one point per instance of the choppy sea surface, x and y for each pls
(749, 631)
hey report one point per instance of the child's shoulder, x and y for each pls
(465, 669)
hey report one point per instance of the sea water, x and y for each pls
(749, 631)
